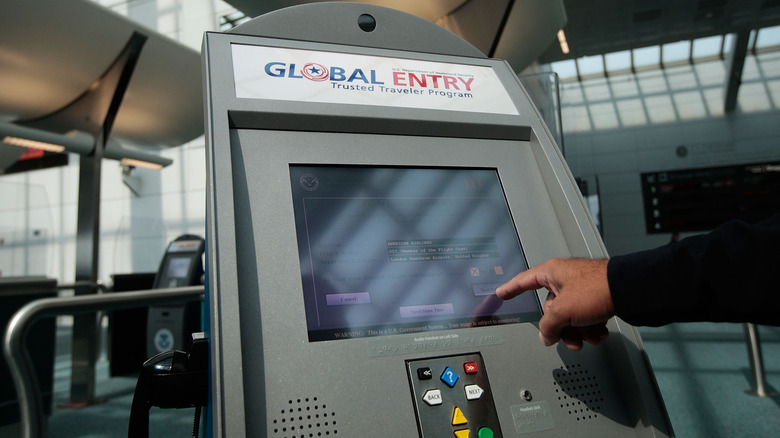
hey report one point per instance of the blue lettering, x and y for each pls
(291, 73)
(337, 74)
(358, 74)
(272, 69)
(373, 78)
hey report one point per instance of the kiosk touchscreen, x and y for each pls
(418, 250)
(372, 180)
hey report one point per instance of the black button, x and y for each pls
(424, 373)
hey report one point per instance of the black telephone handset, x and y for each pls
(171, 379)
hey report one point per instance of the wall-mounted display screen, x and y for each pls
(692, 200)
(390, 250)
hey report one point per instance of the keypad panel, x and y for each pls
(452, 397)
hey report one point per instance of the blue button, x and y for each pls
(449, 377)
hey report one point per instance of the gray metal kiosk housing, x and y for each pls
(273, 374)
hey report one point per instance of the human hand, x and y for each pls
(578, 305)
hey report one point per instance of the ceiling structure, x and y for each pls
(597, 27)
(592, 27)
(54, 51)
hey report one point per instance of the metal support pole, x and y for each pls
(760, 387)
(85, 327)
(105, 99)
(15, 351)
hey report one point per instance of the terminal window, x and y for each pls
(391, 250)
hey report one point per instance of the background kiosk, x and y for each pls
(170, 327)
(372, 180)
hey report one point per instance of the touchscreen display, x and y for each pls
(386, 250)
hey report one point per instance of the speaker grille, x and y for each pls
(578, 392)
(304, 418)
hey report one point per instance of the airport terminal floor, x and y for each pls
(702, 370)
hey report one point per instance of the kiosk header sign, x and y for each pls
(328, 77)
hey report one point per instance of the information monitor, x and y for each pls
(372, 179)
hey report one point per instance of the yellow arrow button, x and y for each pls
(458, 418)
(462, 433)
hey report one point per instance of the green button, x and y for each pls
(484, 432)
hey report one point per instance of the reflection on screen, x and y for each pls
(178, 267)
(404, 250)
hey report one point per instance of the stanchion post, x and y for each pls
(760, 387)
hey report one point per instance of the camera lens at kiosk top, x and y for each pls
(367, 23)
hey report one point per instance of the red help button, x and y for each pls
(470, 367)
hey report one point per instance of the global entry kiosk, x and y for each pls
(368, 192)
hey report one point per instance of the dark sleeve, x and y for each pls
(729, 275)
